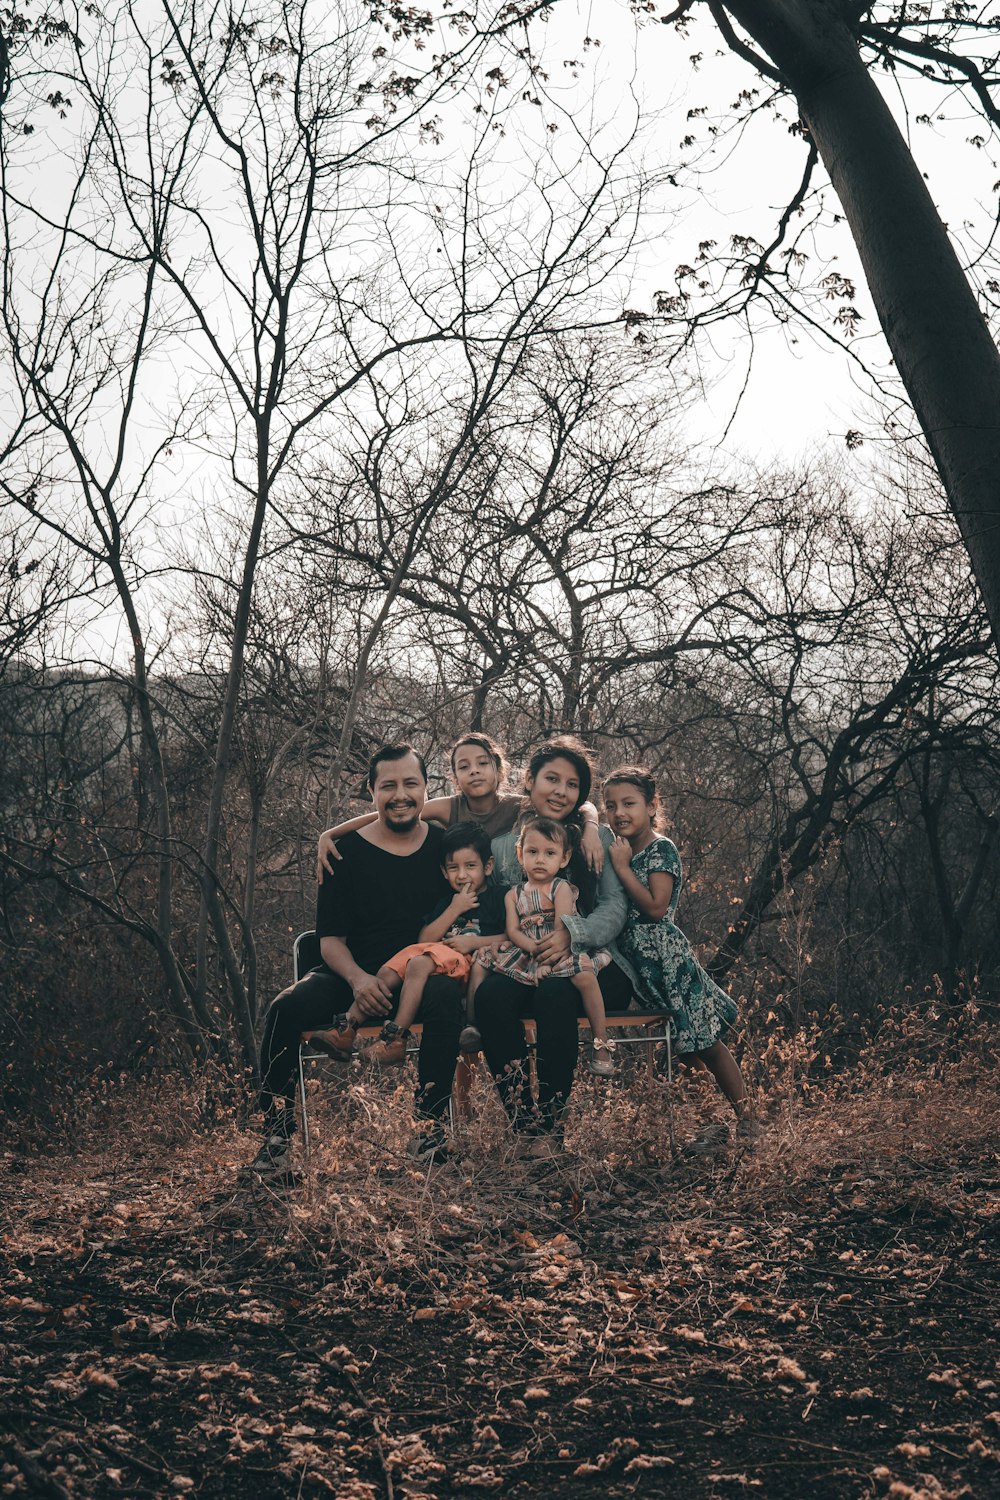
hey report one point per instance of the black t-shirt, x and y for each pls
(488, 919)
(376, 901)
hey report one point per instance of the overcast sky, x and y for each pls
(801, 390)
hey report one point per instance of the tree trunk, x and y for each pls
(250, 899)
(938, 337)
(189, 1008)
(242, 1000)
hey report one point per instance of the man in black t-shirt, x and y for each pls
(375, 903)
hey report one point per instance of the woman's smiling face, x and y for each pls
(555, 791)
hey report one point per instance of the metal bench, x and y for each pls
(306, 956)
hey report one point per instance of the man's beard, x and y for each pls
(402, 822)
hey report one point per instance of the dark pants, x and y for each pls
(313, 1003)
(501, 1006)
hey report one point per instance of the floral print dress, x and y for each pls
(668, 975)
(537, 919)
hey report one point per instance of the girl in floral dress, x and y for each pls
(668, 975)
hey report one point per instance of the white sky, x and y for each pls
(801, 392)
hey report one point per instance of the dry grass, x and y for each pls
(817, 1311)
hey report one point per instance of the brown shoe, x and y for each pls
(601, 1061)
(389, 1051)
(337, 1041)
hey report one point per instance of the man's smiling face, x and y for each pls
(399, 793)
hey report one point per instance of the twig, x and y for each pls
(43, 1483)
(338, 1369)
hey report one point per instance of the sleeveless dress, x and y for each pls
(537, 919)
(500, 820)
(668, 976)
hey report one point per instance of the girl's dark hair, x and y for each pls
(642, 778)
(549, 828)
(578, 871)
(466, 836)
(637, 776)
(484, 742)
(565, 747)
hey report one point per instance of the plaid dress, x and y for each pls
(537, 919)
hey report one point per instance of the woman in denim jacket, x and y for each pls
(557, 782)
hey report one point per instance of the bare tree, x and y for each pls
(413, 512)
(248, 256)
(825, 54)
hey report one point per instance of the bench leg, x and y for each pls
(303, 1106)
(465, 1072)
(531, 1043)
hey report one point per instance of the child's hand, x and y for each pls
(620, 855)
(466, 943)
(326, 852)
(464, 901)
(593, 849)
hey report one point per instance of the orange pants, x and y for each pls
(446, 960)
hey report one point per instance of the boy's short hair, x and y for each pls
(466, 836)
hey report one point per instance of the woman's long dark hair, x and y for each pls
(565, 747)
(568, 747)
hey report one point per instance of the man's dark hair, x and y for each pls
(393, 752)
(466, 836)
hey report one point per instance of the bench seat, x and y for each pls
(306, 956)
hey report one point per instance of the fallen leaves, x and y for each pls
(496, 1333)
(788, 1369)
(689, 1335)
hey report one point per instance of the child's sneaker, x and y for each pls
(601, 1061)
(389, 1051)
(337, 1041)
(470, 1039)
(273, 1162)
(429, 1145)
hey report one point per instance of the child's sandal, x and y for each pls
(601, 1061)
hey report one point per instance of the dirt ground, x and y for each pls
(814, 1316)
